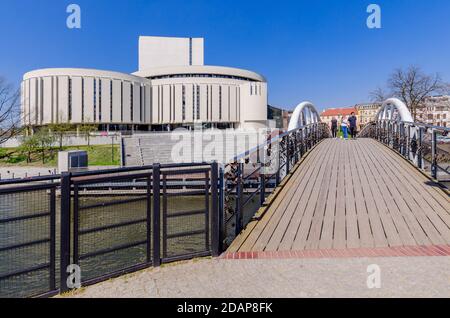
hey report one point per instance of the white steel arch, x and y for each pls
(393, 108)
(304, 114)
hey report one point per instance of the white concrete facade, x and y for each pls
(155, 51)
(158, 94)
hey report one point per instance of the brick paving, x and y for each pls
(406, 251)
(326, 273)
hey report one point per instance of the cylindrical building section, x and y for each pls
(78, 96)
(155, 98)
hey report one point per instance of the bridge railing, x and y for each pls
(426, 146)
(249, 179)
(61, 230)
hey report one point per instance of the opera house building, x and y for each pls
(172, 88)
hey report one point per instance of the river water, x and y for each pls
(21, 204)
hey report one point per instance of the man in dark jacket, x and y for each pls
(352, 121)
(334, 127)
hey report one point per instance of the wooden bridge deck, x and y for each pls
(351, 194)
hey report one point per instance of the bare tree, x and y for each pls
(378, 96)
(413, 87)
(9, 111)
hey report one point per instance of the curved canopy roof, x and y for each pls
(200, 69)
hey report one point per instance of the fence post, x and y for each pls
(408, 142)
(222, 231)
(288, 157)
(156, 214)
(53, 238)
(296, 147)
(215, 224)
(149, 219)
(239, 191)
(65, 231)
(262, 195)
(434, 154)
(277, 175)
(419, 153)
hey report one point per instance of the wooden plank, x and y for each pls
(425, 182)
(350, 204)
(273, 238)
(326, 235)
(318, 194)
(408, 215)
(389, 192)
(314, 237)
(437, 198)
(436, 229)
(285, 196)
(350, 194)
(373, 177)
(365, 231)
(250, 234)
(297, 206)
(427, 226)
(379, 236)
(339, 238)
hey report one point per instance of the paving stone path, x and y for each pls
(336, 277)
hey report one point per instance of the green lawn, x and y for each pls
(101, 155)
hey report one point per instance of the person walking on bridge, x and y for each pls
(334, 127)
(344, 128)
(352, 123)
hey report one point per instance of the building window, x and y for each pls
(183, 102)
(111, 101)
(229, 103)
(82, 99)
(198, 103)
(132, 101)
(220, 102)
(95, 99)
(190, 51)
(141, 102)
(121, 101)
(100, 100)
(193, 102)
(70, 99)
(207, 102)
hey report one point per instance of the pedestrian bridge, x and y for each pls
(351, 194)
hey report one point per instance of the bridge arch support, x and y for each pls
(394, 109)
(304, 114)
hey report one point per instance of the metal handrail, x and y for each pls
(293, 145)
(407, 138)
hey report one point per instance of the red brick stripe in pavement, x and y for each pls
(399, 251)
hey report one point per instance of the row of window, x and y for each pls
(97, 91)
(70, 102)
(201, 75)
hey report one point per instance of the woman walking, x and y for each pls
(344, 128)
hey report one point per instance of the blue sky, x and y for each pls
(317, 50)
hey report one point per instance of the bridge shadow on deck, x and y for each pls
(351, 194)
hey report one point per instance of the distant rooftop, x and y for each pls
(338, 111)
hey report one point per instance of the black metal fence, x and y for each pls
(105, 223)
(27, 240)
(426, 146)
(63, 231)
(252, 176)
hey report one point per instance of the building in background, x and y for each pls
(436, 111)
(280, 117)
(172, 88)
(367, 113)
(339, 113)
